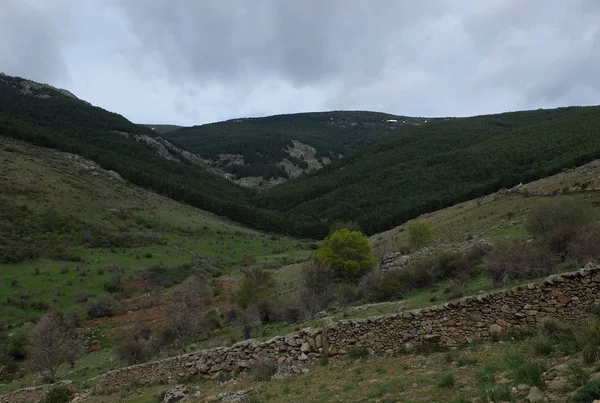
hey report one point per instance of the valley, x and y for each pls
(146, 242)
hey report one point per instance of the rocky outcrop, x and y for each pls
(567, 296)
(90, 166)
(305, 153)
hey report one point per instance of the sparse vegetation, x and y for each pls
(419, 234)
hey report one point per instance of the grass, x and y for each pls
(178, 234)
(413, 378)
(447, 380)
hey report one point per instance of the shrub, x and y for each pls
(531, 373)
(487, 374)
(448, 380)
(59, 394)
(383, 286)
(541, 344)
(212, 320)
(587, 393)
(137, 348)
(559, 213)
(73, 316)
(103, 305)
(507, 262)
(262, 370)
(17, 344)
(588, 340)
(184, 316)
(83, 296)
(495, 393)
(248, 321)
(578, 376)
(258, 284)
(419, 234)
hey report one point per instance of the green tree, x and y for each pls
(419, 234)
(348, 253)
(258, 285)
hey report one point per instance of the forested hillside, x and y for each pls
(47, 117)
(393, 168)
(261, 143)
(429, 167)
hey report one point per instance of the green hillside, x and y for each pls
(65, 225)
(45, 116)
(390, 171)
(262, 142)
(429, 167)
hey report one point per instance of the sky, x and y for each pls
(191, 62)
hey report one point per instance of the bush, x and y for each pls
(59, 394)
(531, 373)
(419, 234)
(448, 380)
(507, 262)
(558, 213)
(587, 393)
(17, 344)
(258, 284)
(495, 393)
(263, 370)
(137, 348)
(588, 340)
(74, 316)
(84, 296)
(383, 286)
(103, 305)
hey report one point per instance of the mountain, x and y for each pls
(376, 169)
(49, 117)
(163, 129)
(428, 167)
(263, 152)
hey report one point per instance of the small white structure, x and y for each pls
(391, 121)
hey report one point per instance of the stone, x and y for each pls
(558, 385)
(535, 396)
(305, 347)
(319, 341)
(179, 393)
(495, 330)
(595, 377)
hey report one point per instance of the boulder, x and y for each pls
(179, 393)
(535, 396)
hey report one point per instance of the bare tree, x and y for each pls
(51, 344)
(184, 316)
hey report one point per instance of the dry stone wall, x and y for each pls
(31, 395)
(301, 347)
(567, 296)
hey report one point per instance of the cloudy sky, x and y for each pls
(196, 61)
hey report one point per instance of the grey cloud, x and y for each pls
(33, 35)
(190, 62)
